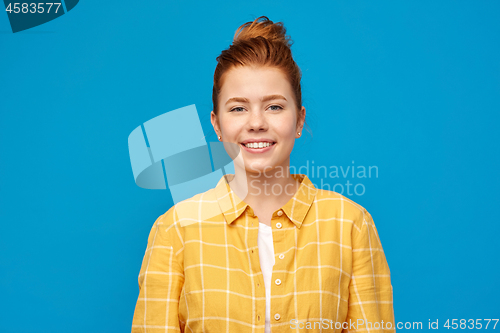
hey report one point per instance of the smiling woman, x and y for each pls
(260, 115)
(263, 251)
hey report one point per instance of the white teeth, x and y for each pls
(258, 145)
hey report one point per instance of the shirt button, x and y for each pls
(277, 281)
(278, 225)
(280, 213)
(277, 316)
(281, 256)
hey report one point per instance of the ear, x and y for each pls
(300, 121)
(215, 123)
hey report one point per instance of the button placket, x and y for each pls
(255, 264)
(280, 243)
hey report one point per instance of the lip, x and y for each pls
(258, 140)
(259, 150)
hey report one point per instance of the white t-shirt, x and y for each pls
(266, 256)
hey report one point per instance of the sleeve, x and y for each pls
(161, 280)
(370, 307)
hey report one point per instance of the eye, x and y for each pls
(277, 107)
(237, 109)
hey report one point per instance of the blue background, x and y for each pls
(410, 87)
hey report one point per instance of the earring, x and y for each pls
(298, 133)
(219, 137)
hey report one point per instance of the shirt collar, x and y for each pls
(295, 209)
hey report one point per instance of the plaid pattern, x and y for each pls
(201, 270)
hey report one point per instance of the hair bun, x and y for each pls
(263, 27)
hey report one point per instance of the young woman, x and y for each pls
(263, 251)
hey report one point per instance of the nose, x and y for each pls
(257, 121)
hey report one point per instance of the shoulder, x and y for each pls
(169, 227)
(190, 209)
(330, 202)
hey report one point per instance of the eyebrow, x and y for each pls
(263, 99)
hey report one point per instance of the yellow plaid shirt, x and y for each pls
(201, 270)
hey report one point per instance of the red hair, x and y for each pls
(259, 43)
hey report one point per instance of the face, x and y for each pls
(257, 112)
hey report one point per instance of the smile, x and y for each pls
(258, 145)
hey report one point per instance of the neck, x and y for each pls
(271, 188)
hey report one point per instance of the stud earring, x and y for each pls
(219, 137)
(298, 133)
